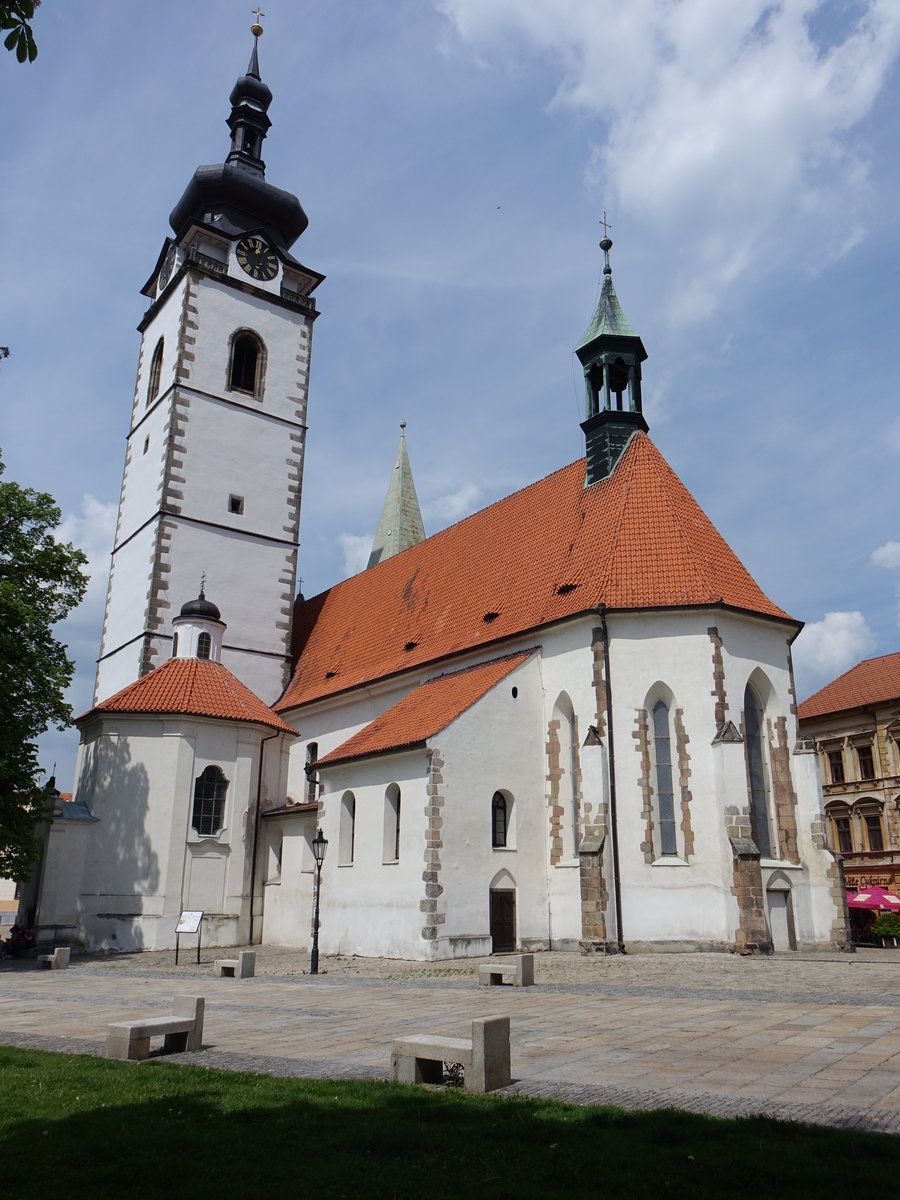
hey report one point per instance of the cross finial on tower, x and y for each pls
(203, 584)
(606, 244)
(256, 28)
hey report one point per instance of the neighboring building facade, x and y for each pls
(855, 722)
(567, 721)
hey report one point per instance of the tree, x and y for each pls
(41, 581)
(16, 17)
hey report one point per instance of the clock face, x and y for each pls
(255, 257)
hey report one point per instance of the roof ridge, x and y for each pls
(487, 662)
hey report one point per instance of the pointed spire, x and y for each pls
(401, 519)
(608, 318)
(249, 122)
(257, 30)
(611, 353)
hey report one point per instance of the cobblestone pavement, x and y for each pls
(812, 1038)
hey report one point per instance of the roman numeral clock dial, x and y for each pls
(256, 258)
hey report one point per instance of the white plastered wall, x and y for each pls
(143, 863)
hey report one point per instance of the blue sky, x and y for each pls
(454, 158)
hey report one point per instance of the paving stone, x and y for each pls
(799, 1037)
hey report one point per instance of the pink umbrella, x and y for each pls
(874, 897)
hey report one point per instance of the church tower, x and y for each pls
(214, 457)
(611, 353)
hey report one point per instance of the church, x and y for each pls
(566, 722)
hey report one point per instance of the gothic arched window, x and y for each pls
(499, 820)
(665, 792)
(391, 843)
(155, 372)
(204, 645)
(348, 829)
(209, 802)
(754, 728)
(246, 371)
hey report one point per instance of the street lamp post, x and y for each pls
(319, 846)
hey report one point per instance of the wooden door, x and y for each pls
(503, 920)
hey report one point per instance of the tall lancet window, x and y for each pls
(754, 728)
(665, 793)
(155, 372)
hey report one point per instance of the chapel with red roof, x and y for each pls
(567, 721)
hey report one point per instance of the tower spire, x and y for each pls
(401, 519)
(611, 353)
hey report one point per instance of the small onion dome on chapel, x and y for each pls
(198, 629)
(201, 607)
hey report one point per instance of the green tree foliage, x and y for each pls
(16, 17)
(41, 581)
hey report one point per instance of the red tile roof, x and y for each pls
(554, 549)
(426, 710)
(195, 687)
(872, 681)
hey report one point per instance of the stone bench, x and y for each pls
(484, 1056)
(58, 960)
(519, 971)
(182, 1031)
(242, 967)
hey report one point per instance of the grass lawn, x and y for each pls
(87, 1127)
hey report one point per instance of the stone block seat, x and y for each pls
(242, 967)
(58, 960)
(517, 970)
(484, 1056)
(182, 1031)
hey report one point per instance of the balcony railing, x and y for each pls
(204, 260)
(307, 303)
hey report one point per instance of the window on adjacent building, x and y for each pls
(754, 728)
(499, 824)
(844, 836)
(391, 845)
(348, 829)
(174, 645)
(246, 362)
(836, 766)
(665, 793)
(236, 505)
(204, 645)
(866, 762)
(874, 835)
(209, 802)
(155, 372)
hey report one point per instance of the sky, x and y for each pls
(454, 158)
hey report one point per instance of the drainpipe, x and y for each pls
(613, 823)
(256, 831)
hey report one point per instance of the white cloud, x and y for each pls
(828, 647)
(92, 530)
(728, 127)
(453, 505)
(887, 555)
(356, 548)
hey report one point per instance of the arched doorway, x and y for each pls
(503, 913)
